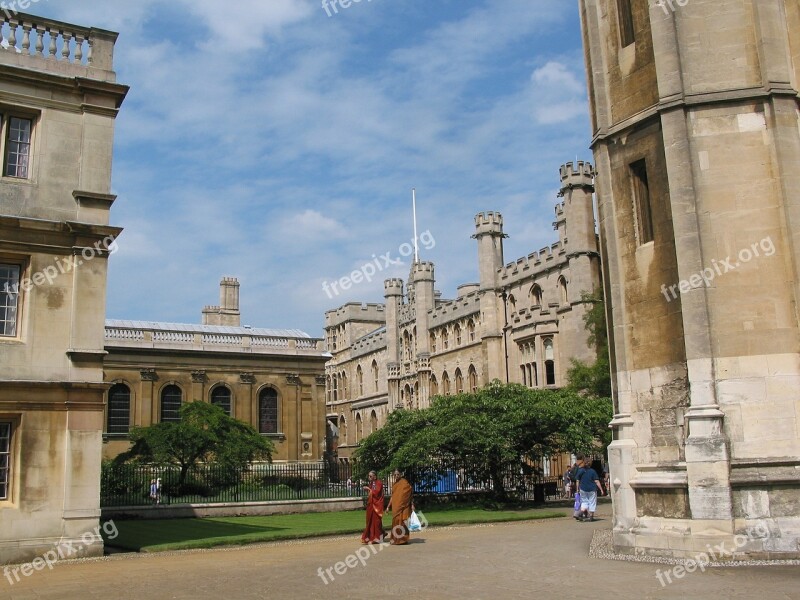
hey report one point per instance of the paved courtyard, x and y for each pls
(547, 559)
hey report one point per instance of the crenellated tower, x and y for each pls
(489, 233)
(393, 293)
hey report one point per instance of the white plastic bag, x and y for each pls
(414, 523)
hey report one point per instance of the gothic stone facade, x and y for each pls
(56, 134)
(416, 345)
(697, 146)
(269, 378)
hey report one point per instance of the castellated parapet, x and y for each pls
(355, 311)
(464, 306)
(488, 223)
(393, 287)
(577, 175)
(423, 271)
(370, 343)
(546, 259)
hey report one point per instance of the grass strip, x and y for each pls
(182, 534)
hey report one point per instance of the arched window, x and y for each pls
(119, 409)
(221, 396)
(445, 339)
(512, 303)
(335, 383)
(268, 411)
(359, 429)
(471, 330)
(434, 386)
(433, 342)
(536, 295)
(457, 332)
(342, 431)
(549, 362)
(473, 379)
(375, 374)
(171, 399)
(445, 384)
(459, 382)
(360, 380)
(373, 422)
(562, 288)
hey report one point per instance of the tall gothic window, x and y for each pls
(627, 34)
(641, 202)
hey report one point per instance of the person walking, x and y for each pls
(401, 506)
(588, 487)
(373, 532)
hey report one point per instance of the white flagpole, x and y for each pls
(414, 208)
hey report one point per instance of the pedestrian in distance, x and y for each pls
(588, 487)
(373, 532)
(401, 505)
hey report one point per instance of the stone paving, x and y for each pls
(535, 559)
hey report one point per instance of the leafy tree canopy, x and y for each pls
(205, 433)
(489, 431)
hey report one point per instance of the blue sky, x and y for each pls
(265, 140)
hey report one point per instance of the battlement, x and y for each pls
(422, 271)
(209, 308)
(356, 311)
(393, 287)
(545, 258)
(489, 220)
(230, 281)
(577, 175)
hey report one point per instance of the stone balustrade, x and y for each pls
(32, 37)
(145, 337)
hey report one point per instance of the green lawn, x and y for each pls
(178, 534)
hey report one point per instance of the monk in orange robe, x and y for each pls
(401, 507)
(373, 533)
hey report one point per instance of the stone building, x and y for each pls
(58, 102)
(270, 378)
(522, 322)
(694, 110)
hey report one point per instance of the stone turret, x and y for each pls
(227, 313)
(577, 189)
(489, 233)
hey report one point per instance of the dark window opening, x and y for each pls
(625, 14)
(119, 409)
(641, 200)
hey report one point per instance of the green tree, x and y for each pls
(486, 432)
(205, 433)
(593, 380)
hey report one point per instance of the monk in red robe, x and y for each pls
(373, 533)
(401, 507)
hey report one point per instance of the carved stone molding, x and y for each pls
(199, 377)
(247, 378)
(148, 375)
(293, 379)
